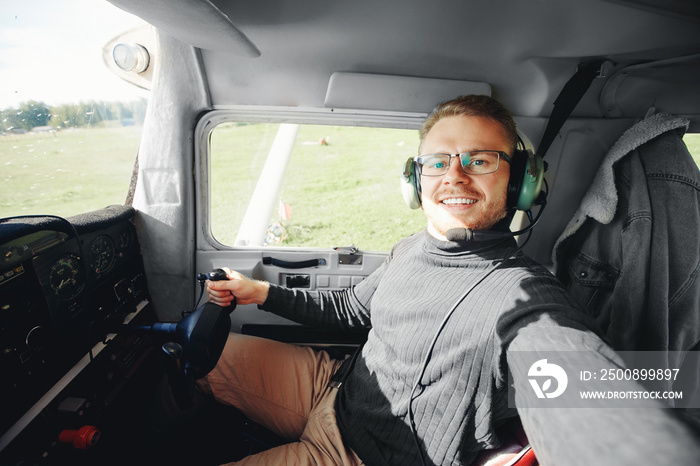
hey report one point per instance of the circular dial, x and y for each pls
(102, 252)
(66, 278)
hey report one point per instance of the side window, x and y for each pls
(310, 186)
(693, 143)
(69, 128)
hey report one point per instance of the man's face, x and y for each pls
(458, 200)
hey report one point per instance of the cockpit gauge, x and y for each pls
(66, 277)
(102, 254)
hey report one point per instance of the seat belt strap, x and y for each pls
(567, 100)
(342, 373)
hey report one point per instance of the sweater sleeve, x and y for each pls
(574, 432)
(593, 433)
(347, 309)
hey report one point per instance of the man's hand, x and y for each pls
(245, 290)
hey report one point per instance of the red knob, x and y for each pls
(82, 439)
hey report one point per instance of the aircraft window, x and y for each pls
(340, 186)
(69, 128)
(692, 140)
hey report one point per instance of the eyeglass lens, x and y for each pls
(477, 163)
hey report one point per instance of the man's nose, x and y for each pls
(455, 173)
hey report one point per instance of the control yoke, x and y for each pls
(193, 346)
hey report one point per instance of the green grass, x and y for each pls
(342, 193)
(66, 172)
(693, 143)
(346, 192)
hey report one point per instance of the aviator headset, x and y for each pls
(524, 186)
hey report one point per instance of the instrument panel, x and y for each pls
(65, 284)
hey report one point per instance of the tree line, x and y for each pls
(34, 114)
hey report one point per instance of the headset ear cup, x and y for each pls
(410, 185)
(531, 185)
(525, 184)
(517, 169)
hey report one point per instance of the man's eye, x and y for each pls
(433, 162)
(479, 162)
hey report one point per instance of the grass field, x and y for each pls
(66, 172)
(693, 143)
(346, 192)
(341, 193)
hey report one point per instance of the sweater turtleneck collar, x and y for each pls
(446, 247)
(502, 226)
(436, 246)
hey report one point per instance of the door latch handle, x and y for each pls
(293, 264)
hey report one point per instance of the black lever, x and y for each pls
(214, 276)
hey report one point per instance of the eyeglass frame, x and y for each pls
(500, 154)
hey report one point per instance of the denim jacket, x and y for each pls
(631, 253)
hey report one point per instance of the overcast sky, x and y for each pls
(51, 51)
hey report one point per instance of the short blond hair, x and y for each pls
(473, 105)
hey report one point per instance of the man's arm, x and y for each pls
(245, 290)
(601, 433)
(344, 309)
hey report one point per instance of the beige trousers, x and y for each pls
(284, 388)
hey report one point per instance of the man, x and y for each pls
(430, 386)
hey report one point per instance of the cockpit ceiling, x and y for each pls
(525, 51)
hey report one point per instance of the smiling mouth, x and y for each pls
(458, 201)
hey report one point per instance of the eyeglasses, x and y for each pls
(478, 162)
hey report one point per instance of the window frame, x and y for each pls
(204, 238)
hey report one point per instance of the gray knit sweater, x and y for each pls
(446, 308)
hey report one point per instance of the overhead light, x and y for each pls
(131, 57)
